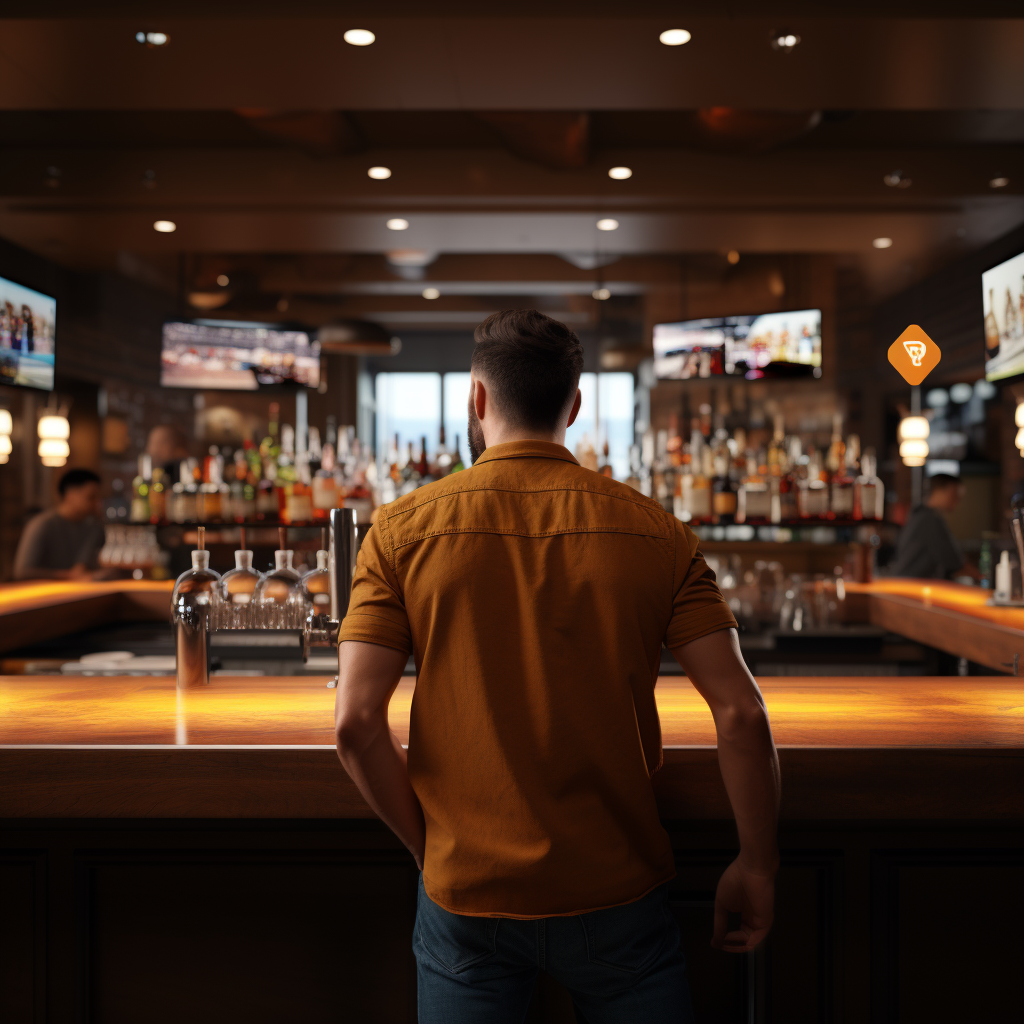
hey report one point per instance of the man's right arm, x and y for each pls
(750, 770)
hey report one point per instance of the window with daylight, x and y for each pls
(415, 405)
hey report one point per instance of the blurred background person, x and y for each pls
(64, 543)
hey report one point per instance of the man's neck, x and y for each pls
(70, 514)
(507, 435)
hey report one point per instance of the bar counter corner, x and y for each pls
(207, 846)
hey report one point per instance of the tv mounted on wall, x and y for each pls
(28, 323)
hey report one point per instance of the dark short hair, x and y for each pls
(941, 481)
(531, 363)
(76, 478)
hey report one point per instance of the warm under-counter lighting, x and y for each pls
(379, 173)
(675, 37)
(607, 224)
(431, 293)
(164, 226)
(397, 224)
(620, 173)
(882, 243)
(359, 37)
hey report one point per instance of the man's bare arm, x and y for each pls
(750, 770)
(369, 750)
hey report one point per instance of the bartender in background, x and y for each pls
(64, 543)
(926, 548)
(167, 446)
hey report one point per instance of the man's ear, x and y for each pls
(575, 410)
(479, 398)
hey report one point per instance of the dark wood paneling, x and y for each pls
(22, 937)
(946, 942)
(260, 937)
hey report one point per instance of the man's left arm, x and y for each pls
(370, 752)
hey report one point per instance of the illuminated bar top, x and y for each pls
(263, 747)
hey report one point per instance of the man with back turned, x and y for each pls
(535, 596)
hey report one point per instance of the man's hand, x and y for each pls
(752, 896)
(369, 750)
(750, 771)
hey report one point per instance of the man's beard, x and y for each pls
(475, 433)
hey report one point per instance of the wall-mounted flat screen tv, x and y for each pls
(28, 323)
(767, 345)
(235, 355)
(1002, 291)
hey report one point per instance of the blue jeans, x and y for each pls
(621, 966)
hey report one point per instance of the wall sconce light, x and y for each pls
(913, 434)
(54, 431)
(6, 428)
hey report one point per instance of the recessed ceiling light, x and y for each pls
(620, 173)
(601, 294)
(165, 226)
(999, 182)
(882, 243)
(733, 256)
(379, 173)
(398, 224)
(223, 280)
(152, 38)
(675, 36)
(785, 41)
(607, 224)
(431, 293)
(359, 37)
(896, 179)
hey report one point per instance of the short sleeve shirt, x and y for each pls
(534, 596)
(926, 548)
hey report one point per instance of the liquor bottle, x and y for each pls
(208, 504)
(423, 464)
(140, 512)
(723, 492)
(158, 498)
(674, 443)
(868, 492)
(457, 464)
(754, 499)
(840, 478)
(606, 466)
(298, 493)
(586, 455)
(812, 498)
(991, 327)
(661, 490)
(442, 457)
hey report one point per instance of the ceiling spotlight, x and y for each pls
(601, 294)
(733, 257)
(895, 179)
(379, 173)
(223, 280)
(152, 39)
(999, 182)
(675, 36)
(431, 293)
(607, 224)
(620, 173)
(397, 224)
(882, 243)
(359, 37)
(164, 226)
(785, 41)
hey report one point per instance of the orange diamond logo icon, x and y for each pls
(914, 355)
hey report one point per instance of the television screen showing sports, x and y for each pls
(766, 345)
(236, 356)
(1002, 291)
(28, 321)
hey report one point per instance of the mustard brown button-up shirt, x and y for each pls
(534, 596)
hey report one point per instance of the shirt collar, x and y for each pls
(528, 449)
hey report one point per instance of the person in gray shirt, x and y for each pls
(64, 543)
(926, 548)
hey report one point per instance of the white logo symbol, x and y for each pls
(916, 351)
